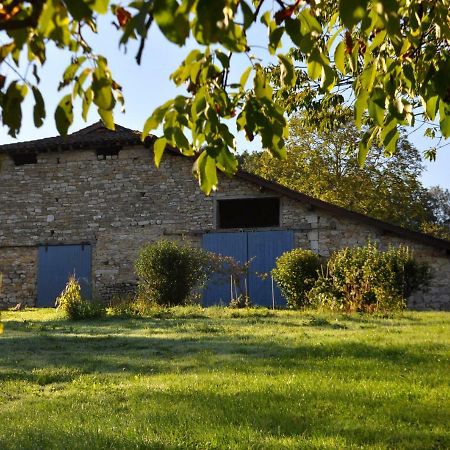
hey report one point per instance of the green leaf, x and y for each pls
(444, 118)
(432, 106)
(102, 87)
(39, 108)
(376, 106)
(352, 11)
(64, 115)
(274, 39)
(107, 118)
(173, 24)
(72, 69)
(363, 150)
(244, 77)
(287, 72)
(210, 24)
(206, 171)
(80, 10)
(389, 136)
(315, 64)
(227, 161)
(293, 30)
(248, 14)
(88, 97)
(181, 140)
(5, 50)
(365, 144)
(261, 85)
(310, 24)
(339, 57)
(328, 78)
(158, 149)
(99, 6)
(12, 107)
(156, 118)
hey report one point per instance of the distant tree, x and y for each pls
(325, 165)
(439, 201)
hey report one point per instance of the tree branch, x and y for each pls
(143, 38)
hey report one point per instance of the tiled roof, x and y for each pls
(91, 136)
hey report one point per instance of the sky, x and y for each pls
(147, 86)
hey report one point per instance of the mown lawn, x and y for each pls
(219, 378)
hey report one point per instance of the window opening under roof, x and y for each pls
(107, 152)
(20, 159)
(248, 213)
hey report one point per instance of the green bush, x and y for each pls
(296, 272)
(77, 308)
(171, 274)
(367, 279)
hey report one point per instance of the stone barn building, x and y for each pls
(88, 202)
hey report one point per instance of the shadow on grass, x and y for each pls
(342, 399)
(247, 419)
(60, 351)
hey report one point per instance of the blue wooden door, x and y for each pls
(218, 290)
(56, 264)
(265, 247)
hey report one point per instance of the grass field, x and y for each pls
(218, 378)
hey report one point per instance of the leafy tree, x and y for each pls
(323, 165)
(388, 58)
(439, 201)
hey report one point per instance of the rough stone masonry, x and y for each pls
(102, 188)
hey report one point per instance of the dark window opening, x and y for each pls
(108, 152)
(249, 213)
(24, 158)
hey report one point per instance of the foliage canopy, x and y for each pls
(388, 58)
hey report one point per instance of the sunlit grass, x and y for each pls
(221, 378)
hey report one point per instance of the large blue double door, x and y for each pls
(262, 248)
(56, 264)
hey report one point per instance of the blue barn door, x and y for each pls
(56, 264)
(218, 290)
(265, 247)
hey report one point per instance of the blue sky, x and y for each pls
(147, 86)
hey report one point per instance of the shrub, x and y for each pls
(295, 273)
(171, 274)
(367, 279)
(77, 308)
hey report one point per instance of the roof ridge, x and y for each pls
(120, 133)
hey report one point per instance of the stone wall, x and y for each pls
(18, 266)
(120, 203)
